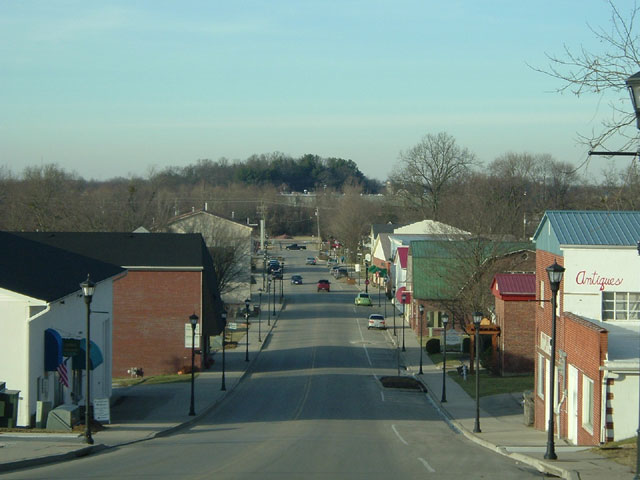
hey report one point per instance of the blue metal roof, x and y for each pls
(580, 227)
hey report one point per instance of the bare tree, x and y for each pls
(427, 169)
(581, 71)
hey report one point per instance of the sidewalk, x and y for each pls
(147, 411)
(501, 422)
(140, 412)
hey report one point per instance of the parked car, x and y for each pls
(363, 299)
(273, 265)
(341, 272)
(311, 261)
(296, 279)
(277, 274)
(376, 321)
(324, 285)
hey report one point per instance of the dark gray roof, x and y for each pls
(575, 227)
(130, 249)
(41, 271)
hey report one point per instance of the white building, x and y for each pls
(42, 313)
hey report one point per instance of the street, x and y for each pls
(311, 406)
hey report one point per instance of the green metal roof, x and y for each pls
(434, 262)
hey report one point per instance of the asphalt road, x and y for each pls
(312, 407)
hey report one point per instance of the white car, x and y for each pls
(376, 321)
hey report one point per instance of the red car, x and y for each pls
(324, 285)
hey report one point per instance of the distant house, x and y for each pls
(597, 369)
(42, 309)
(170, 278)
(515, 295)
(233, 238)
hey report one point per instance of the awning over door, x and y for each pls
(52, 350)
(95, 359)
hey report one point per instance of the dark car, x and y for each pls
(277, 274)
(324, 285)
(273, 265)
(296, 279)
(293, 246)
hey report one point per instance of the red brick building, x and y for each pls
(515, 295)
(597, 339)
(170, 277)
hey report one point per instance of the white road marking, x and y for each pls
(363, 345)
(393, 427)
(426, 465)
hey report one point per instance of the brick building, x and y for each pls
(597, 328)
(515, 294)
(170, 277)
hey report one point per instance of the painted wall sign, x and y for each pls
(594, 278)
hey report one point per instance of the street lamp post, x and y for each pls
(633, 84)
(421, 310)
(445, 320)
(477, 318)
(393, 293)
(88, 288)
(555, 273)
(269, 302)
(224, 341)
(404, 301)
(194, 321)
(274, 296)
(246, 321)
(259, 314)
(282, 282)
(366, 277)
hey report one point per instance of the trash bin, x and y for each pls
(9, 408)
(529, 408)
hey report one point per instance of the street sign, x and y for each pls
(232, 326)
(70, 347)
(366, 282)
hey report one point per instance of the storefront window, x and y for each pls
(620, 306)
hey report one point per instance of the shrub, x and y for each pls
(466, 345)
(433, 345)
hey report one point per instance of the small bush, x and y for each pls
(433, 345)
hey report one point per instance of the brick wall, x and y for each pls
(149, 313)
(516, 320)
(585, 345)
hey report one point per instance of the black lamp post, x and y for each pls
(194, 321)
(421, 310)
(404, 301)
(378, 291)
(224, 341)
(393, 293)
(269, 302)
(246, 321)
(274, 296)
(366, 277)
(555, 273)
(282, 282)
(445, 321)
(88, 288)
(633, 84)
(259, 314)
(477, 318)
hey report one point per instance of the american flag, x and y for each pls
(63, 377)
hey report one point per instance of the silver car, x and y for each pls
(376, 321)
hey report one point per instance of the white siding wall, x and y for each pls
(22, 344)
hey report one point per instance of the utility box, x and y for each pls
(42, 412)
(63, 417)
(9, 408)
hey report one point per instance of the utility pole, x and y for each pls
(318, 222)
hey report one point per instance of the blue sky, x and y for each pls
(115, 88)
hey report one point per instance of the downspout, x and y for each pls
(27, 362)
(603, 406)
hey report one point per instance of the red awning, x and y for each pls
(399, 293)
